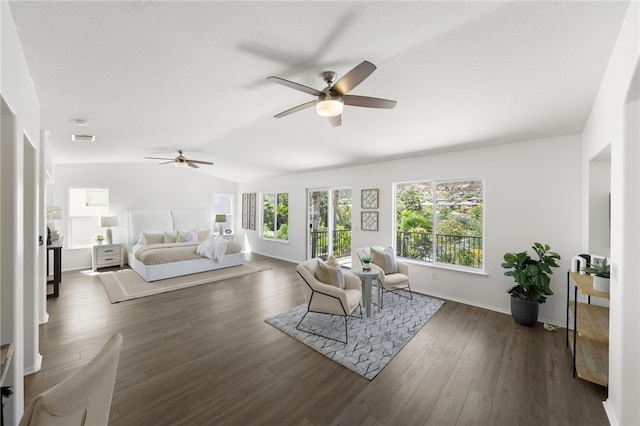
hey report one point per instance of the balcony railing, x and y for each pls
(461, 250)
(320, 243)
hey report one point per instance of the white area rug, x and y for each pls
(126, 284)
(372, 342)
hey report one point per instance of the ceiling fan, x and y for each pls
(181, 161)
(331, 99)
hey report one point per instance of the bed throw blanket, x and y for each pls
(213, 248)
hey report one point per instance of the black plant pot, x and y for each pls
(524, 312)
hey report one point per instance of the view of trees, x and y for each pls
(275, 216)
(458, 221)
(319, 210)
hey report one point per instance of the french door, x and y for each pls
(329, 223)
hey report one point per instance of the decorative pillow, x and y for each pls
(170, 237)
(187, 236)
(329, 275)
(151, 238)
(204, 234)
(385, 259)
(333, 262)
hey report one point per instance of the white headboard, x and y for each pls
(166, 220)
(184, 220)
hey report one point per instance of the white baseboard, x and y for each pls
(610, 414)
(34, 368)
(483, 306)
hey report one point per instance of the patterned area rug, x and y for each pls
(373, 341)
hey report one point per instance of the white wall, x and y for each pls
(614, 120)
(134, 187)
(20, 134)
(531, 193)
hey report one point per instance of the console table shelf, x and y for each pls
(588, 339)
(593, 323)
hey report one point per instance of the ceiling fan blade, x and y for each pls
(365, 101)
(158, 158)
(166, 162)
(201, 162)
(297, 86)
(353, 78)
(295, 109)
(336, 120)
(191, 164)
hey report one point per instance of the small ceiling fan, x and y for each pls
(331, 99)
(181, 161)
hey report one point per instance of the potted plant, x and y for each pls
(99, 239)
(601, 274)
(532, 281)
(366, 262)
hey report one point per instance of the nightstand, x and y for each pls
(104, 255)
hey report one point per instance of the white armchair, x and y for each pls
(327, 298)
(83, 398)
(390, 281)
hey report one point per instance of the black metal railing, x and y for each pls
(320, 244)
(464, 250)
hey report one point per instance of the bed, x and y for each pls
(163, 244)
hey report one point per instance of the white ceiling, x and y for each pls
(154, 77)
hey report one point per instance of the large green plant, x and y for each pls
(531, 276)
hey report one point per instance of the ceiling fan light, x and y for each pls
(180, 163)
(329, 106)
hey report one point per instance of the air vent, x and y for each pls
(83, 138)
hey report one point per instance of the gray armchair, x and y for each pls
(390, 281)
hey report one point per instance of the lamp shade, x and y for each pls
(108, 221)
(221, 218)
(54, 213)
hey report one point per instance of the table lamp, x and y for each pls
(53, 213)
(108, 222)
(221, 218)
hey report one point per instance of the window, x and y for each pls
(86, 205)
(275, 216)
(441, 222)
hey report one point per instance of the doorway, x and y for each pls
(329, 223)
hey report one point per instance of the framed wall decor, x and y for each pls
(249, 211)
(252, 211)
(369, 199)
(369, 221)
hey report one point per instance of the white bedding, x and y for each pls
(213, 247)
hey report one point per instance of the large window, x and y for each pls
(275, 216)
(441, 222)
(86, 205)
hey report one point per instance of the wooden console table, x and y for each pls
(56, 248)
(588, 339)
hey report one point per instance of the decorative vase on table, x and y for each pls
(601, 273)
(366, 266)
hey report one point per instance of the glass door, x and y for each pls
(329, 223)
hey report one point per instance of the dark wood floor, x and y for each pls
(204, 355)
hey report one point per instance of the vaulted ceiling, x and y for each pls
(154, 77)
